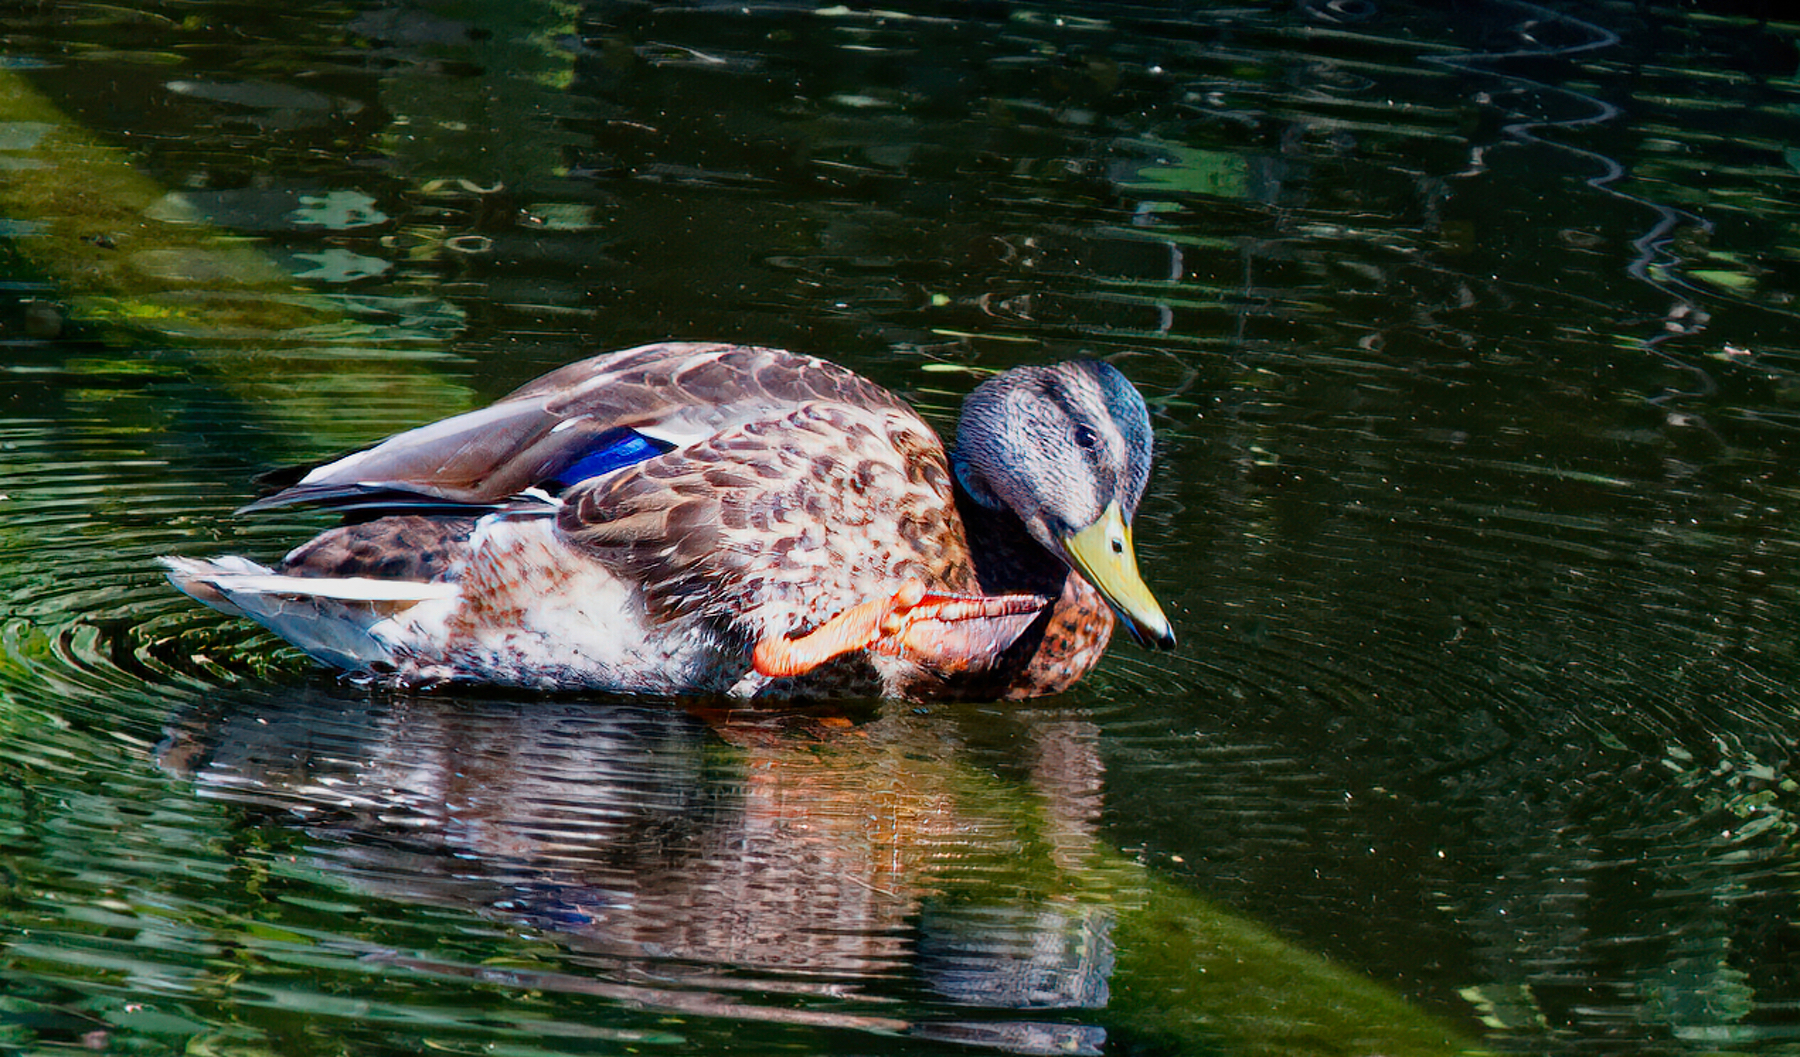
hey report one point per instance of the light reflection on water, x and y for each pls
(1474, 506)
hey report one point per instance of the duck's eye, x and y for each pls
(1086, 437)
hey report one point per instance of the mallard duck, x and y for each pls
(706, 518)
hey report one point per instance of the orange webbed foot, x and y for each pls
(956, 632)
(856, 628)
(952, 630)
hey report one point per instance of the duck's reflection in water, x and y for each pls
(682, 858)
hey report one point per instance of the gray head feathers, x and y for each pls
(1055, 444)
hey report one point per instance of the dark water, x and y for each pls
(1468, 328)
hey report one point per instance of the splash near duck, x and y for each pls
(704, 519)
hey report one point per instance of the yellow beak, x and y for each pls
(1103, 553)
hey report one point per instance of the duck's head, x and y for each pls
(1067, 448)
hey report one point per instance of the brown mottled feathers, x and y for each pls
(774, 492)
(781, 523)
(403, 547)
(486, 456)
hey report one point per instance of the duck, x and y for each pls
(688, 518)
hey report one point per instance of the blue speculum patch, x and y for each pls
(611, 450)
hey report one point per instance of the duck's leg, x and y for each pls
(911, 619)
(856, 628)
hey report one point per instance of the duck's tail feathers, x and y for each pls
(330, 618)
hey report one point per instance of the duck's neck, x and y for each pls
(1007, 560)
(1059, 648)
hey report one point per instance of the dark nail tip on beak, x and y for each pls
(1149, 639)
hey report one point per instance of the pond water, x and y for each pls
(1468, 330)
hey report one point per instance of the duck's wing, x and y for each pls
(580, 422)
(829, 517)
(808, 510)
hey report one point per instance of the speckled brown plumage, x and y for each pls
(783, 522)
(411, 547)
(521, 440)
(641, 520)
